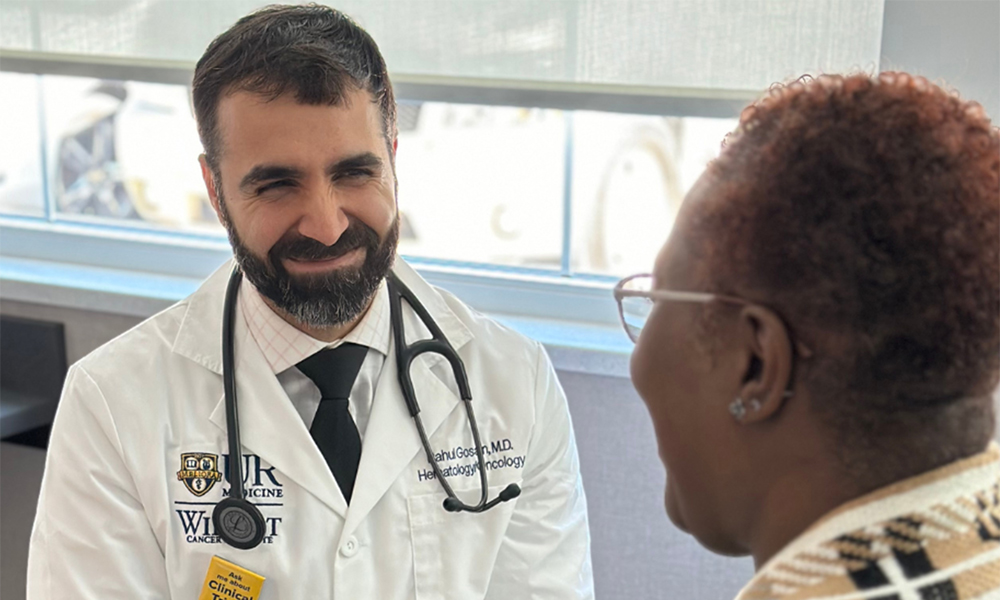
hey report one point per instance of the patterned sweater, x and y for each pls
(935, 536)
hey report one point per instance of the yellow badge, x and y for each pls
(226, 581)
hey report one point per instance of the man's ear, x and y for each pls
(769, 368)
(213, 195)
(395, 146)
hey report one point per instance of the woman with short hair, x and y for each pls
(820, 342)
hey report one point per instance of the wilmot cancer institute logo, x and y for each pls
(199, 472)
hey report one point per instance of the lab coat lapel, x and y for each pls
(391, 440)
(270, 427)
(199, 337)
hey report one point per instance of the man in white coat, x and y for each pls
(297, 117)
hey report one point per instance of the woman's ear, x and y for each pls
(769, 369)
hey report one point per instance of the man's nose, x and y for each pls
(324, 219)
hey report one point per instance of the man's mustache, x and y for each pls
(357, 235)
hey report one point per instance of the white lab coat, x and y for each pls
(117, 519)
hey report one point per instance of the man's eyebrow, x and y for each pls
(262, 173)
(365, 159)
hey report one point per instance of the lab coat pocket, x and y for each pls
(454, 553)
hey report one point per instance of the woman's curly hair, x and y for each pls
(866, 210)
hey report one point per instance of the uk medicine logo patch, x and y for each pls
(199, 472)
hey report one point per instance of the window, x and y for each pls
(551, 143)
(479, 184)
(126, 151)
(21, 160)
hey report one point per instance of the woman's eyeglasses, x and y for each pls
(635, 296)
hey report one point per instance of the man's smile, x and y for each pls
(353, 257)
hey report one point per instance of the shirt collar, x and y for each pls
(285, 346)
(944, 486)
(201, 319)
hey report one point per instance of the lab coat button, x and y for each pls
(350, 548)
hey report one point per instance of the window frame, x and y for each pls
(558, 295)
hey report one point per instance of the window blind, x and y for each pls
(674, 46)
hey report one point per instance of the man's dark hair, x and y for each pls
(866, 211)
(313, 51)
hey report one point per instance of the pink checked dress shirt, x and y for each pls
(285, 346)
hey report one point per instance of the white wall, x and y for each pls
(956, 42)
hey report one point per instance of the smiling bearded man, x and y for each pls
(297, 117)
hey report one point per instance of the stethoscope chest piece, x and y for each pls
(239, 523)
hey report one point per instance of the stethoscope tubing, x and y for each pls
(229, 384)
(438, 344)
(238, 522)
(404, 358)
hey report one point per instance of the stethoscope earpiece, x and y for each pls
(453, 504)
(510, 492)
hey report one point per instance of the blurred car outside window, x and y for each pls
(477, 184)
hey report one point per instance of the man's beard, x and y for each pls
(327, 299)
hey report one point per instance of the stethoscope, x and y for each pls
(238, 522)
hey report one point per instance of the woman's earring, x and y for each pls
(738, 408)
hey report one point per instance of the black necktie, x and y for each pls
(334, 371)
